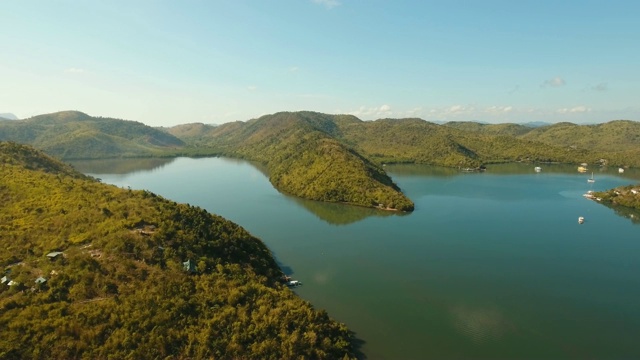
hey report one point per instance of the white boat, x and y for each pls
(537, 168)
(580, 220)
(620, 170)
(591, 179)
(294, 283)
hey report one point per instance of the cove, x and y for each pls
(489, 265)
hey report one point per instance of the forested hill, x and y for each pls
(338, 157)
(305, 157)
(8, 116)
(616, 141)
(75, 135)
(461, 144)
(94, 271)
(419, 141)
(334, 158)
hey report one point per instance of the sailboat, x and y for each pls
(591, 179)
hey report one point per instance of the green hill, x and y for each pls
(334, 158)
(95, 271)
(490, 129)
(617, 142)
(613, 136)
(305, 159)
(419, 141)
(625, 196)
(75, 135)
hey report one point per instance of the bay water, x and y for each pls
(489, 265)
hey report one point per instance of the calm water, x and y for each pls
(490, 265)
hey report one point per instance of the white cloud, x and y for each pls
(294, 69)
(471, 112)
(577, 109)
(415, 112)
(555, 82)
(369, 112)
(74, 71)
(329, 4)
(499, 109)
(252, 88)
(459, 110)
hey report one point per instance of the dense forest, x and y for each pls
(75, 135)
(334, 158)
(303, 159)
(617, 142)
(94, 271)
(626, 196)
(455, 144)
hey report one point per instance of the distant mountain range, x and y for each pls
(76, 135)
(334, 158)
(8, 116)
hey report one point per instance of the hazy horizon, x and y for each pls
(535, 123)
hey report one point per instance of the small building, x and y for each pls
(4, 280)
(189, 266)
(40, 280)
(54, 254)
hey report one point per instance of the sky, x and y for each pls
(165, 63)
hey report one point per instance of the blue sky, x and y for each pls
(173, 62)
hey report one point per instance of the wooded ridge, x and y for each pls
(334, 158)
(94, 271)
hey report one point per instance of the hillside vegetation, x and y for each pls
(75, 135)
(334, 158)
(418, 141)
(94, 271)
(617, 142)
(337, 158)
(304, 158)
(626, 196)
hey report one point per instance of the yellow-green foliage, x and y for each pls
(75, 135)
(304, 160)
(418, 141)
(627, 196)
(618, 142)
(120, 289)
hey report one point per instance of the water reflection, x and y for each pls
(509, 169)
(120, 166)
(625, 212)
(340, 214)
(418, 181)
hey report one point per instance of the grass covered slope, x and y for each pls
(616, 141)
(418, 141)
(304, 158)
(627, 196)
(119, 287)
(618, 135)
(75, 135)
